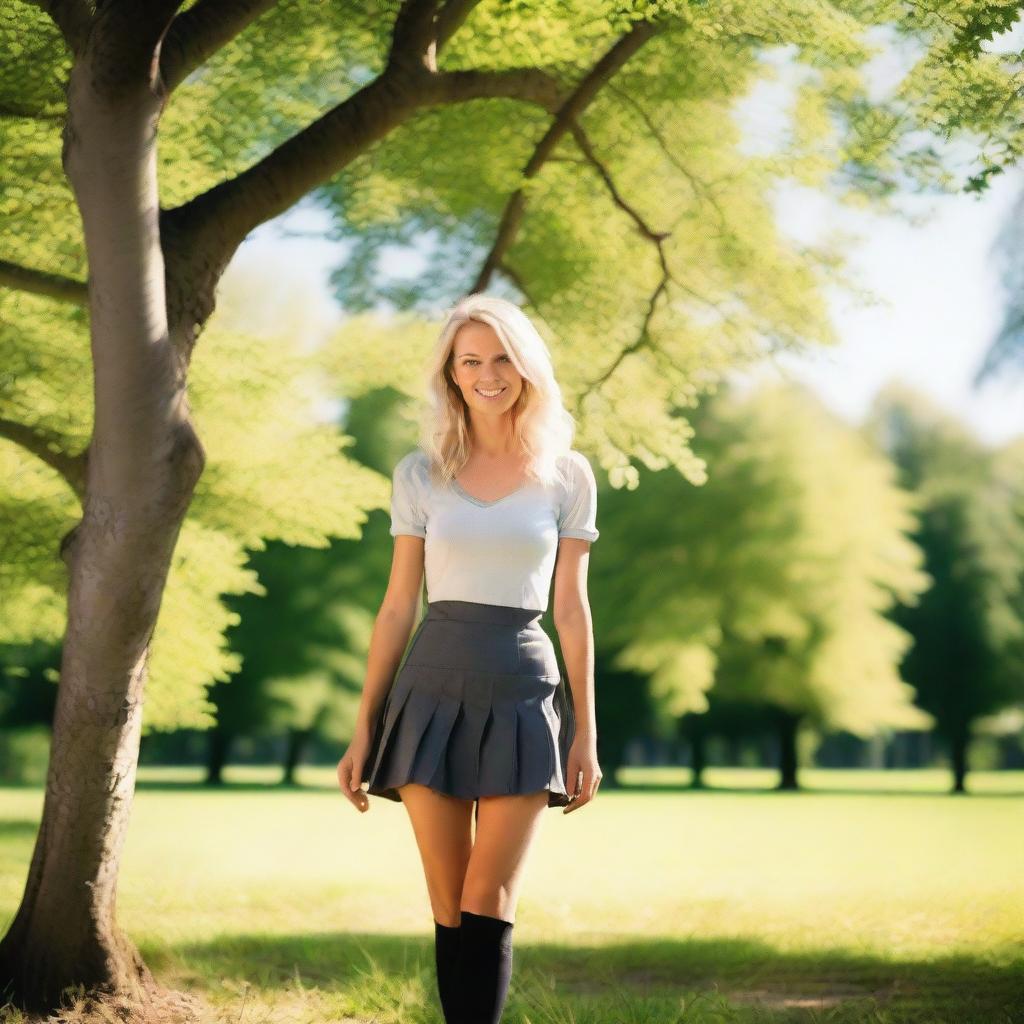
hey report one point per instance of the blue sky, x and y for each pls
(936, 281)
(940, 305)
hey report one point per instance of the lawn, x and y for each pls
(867, 897)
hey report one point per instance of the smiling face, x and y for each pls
(483, 371)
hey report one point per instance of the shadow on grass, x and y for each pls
(642, 981)
(18, 828)
(185, 785)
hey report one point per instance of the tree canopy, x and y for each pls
(581, 155)
(772, 581)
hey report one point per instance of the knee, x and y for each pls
(451, 917)
(492, 900)
(446, 907)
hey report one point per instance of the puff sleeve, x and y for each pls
(408, 514)
(578, 513)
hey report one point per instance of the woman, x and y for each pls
(494, 506)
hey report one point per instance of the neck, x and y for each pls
(491, 436)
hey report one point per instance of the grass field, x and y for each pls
(867, 897)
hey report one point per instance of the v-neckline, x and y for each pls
(480, 501)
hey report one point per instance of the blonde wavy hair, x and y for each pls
(540, 422)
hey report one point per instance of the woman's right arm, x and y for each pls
(392, 628)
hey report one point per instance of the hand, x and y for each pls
(583, 771)
(350, 774)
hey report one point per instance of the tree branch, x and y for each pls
(197, 34)
(588, 151)
(531, 85)
(450, 19)
(699, 187)
(412, 36)
(127, 35)
(40, 282)
(420, 31)
(656, 237)
(41, 443)
(516, 278)
(72, 17)
(217, 221)
(581, 97)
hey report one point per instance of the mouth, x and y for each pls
(491, 393)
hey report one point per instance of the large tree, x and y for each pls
(582, 151)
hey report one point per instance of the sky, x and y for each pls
(934, 273)
(940, 305)
(937, 285)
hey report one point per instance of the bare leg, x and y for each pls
(442, 825)
(443, 829)
(473, 886)
(506, 826)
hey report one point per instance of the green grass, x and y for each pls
(869, 897)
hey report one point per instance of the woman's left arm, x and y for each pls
(573, 623)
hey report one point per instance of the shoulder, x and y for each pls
(413, 464)
(412, 473)
(575, 468)
(578, 461)
(577, 515)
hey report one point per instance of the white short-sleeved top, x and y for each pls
(493, 552)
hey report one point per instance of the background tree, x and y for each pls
(129, 245)
(303, 645)
(968, 627)
(27, 675)
(770, 582)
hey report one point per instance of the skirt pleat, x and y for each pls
(477, 708)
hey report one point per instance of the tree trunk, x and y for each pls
(958, 746)
(217, 755)
(297, 740)
(787, 727)
(698, 757)
(143, 463)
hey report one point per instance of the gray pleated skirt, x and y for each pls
(477, 708)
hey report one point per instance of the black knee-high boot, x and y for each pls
(446, 958)
(485, 967)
